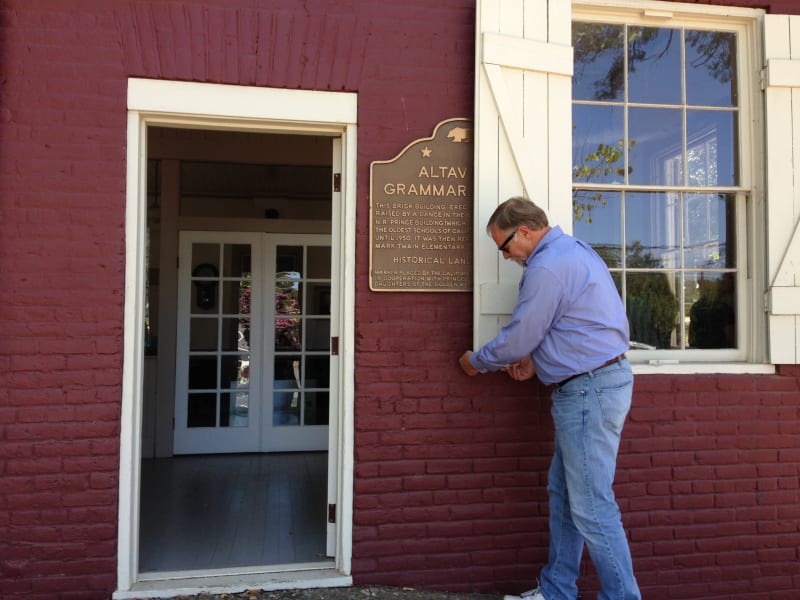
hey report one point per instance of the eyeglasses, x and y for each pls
(504, 246)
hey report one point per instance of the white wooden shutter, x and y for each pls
(782, 79)
(523, 133)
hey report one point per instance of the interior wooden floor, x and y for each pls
(232, 510)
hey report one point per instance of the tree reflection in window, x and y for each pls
(657, 106)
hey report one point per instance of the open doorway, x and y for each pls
(226, 214)
(237, 350)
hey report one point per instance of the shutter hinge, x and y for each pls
(331, 513)
(337, 182)
(763, 75)
(335, 346)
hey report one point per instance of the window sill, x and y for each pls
(673, 367)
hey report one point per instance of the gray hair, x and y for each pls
(518, 211)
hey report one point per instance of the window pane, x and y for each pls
(652, 230)
(712, 316)
(598, 221)
(203, 334)
(319, 299)
(711, 147)
(205, 289)
(654, 65)
(317, 372)
(286, 397)
(235, 297)
(599, 61)
(285, 404)
(208, 255)
(318, 334)
(201, 409)
(287, 368)
(235, 371)
(597, 144)
(237, 405)
(243, 335)
(656, 146)
(711, 68)
(232, 335)
(316, 409)
(319, 262)
(288, 333)
(237, 260)
(652, 304)
(289, 258)
(202, 372)
(708, 225)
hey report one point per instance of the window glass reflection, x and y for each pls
(234, 409)
(656, 146)
(711, 146)
(711, 78)
(235, 371)
(285, 405)
(599, 61)
(652, 304)
(652, 230)
(597, 144)
(655, 108)
(712, 312)
(288, 303)
(709, 231)
(598, 221)
(654, 65)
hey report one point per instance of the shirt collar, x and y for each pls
(554, 233)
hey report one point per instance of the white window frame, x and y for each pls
(242, 108)
(751, 220)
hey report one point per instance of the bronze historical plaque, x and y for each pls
(421, 214)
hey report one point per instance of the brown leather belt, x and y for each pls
(605, 364)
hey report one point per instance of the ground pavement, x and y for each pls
(343, 593)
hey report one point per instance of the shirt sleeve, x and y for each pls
(538, 304)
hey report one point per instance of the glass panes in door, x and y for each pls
(218, 347)
(218, 393)
(302, 333)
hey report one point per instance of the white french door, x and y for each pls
(253, 343)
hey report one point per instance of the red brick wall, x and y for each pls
(62, 182)
(450, 471)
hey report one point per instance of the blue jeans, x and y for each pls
(588, 414)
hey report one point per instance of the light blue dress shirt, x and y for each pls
(569, 316)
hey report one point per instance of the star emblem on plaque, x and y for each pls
(421, 214)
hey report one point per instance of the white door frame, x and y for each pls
(241, 108)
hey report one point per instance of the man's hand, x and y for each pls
(466, 366)
(521, 370)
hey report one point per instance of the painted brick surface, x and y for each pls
(450, 472)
